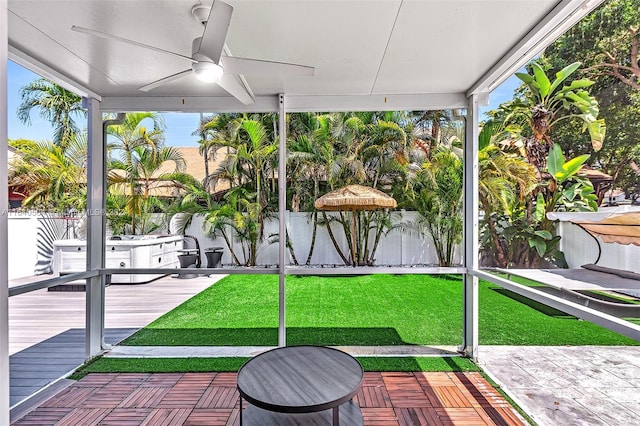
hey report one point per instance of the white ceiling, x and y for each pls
(358, 47)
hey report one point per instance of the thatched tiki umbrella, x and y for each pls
(353, 198)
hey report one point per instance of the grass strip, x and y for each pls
(159, 365)
(407, 364)
(233, 364)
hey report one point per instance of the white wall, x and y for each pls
(31, 237)
(23, 254)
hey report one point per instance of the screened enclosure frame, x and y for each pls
(561, 16)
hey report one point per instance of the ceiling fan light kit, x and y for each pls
(207, 71)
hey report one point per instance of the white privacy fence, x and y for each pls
(31, 237)
(397, 248)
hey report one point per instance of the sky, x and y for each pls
(179, 126)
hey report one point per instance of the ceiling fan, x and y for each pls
(208, 62)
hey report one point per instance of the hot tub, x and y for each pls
(129, 251)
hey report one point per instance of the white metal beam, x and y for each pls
(311, 103)
(566, 14)
(470, 237)
(96, 227)
(586, 313)
(282, 225)
(187, 104)
(4, 206)
(378, 102)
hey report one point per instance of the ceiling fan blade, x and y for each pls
(215, 31)
(236, 65)
(125, 40)
(231, 85)
(164, 80)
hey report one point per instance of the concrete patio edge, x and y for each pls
(248, 351)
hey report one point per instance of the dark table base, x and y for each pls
(350, 414)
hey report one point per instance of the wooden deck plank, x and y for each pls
(144, 397)
(208, 417)
(167, 417)
(45, 416)
(212, 399)
(373, 396)
(83, 416)
(418, 417)
(379, 417)
(405, 391)
(451, 396)
(47, 328)
(460, 416)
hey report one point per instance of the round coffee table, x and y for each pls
(300, 385)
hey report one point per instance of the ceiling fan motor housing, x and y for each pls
(200, 13)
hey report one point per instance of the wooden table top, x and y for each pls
(300, 379)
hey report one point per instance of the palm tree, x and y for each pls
(438, 199)
(249, 167)
(308, 157)
(214, 132)
(145, 168)
(543, 104)
(361, 148)
(504, 178)
(48, 174)
(204, 145)
(428, 125)
(126, 138)
(56, 105)
(197, 200)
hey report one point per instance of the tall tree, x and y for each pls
(540, 106)
(214, 132)
(56, 105)
(50, 176)
(606, 42)
(125, 139)
(505, 180)
(438, 190)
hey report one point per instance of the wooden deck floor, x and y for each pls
(211, 399)
(46, 329)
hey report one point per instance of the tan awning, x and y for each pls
(622, 228)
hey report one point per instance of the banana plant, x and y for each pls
(552, 101)
(576, 196)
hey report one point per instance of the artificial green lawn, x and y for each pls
(363, 310)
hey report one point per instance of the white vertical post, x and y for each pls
(471, 246)
(282, 225)
(96, 181)
(4, 206)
